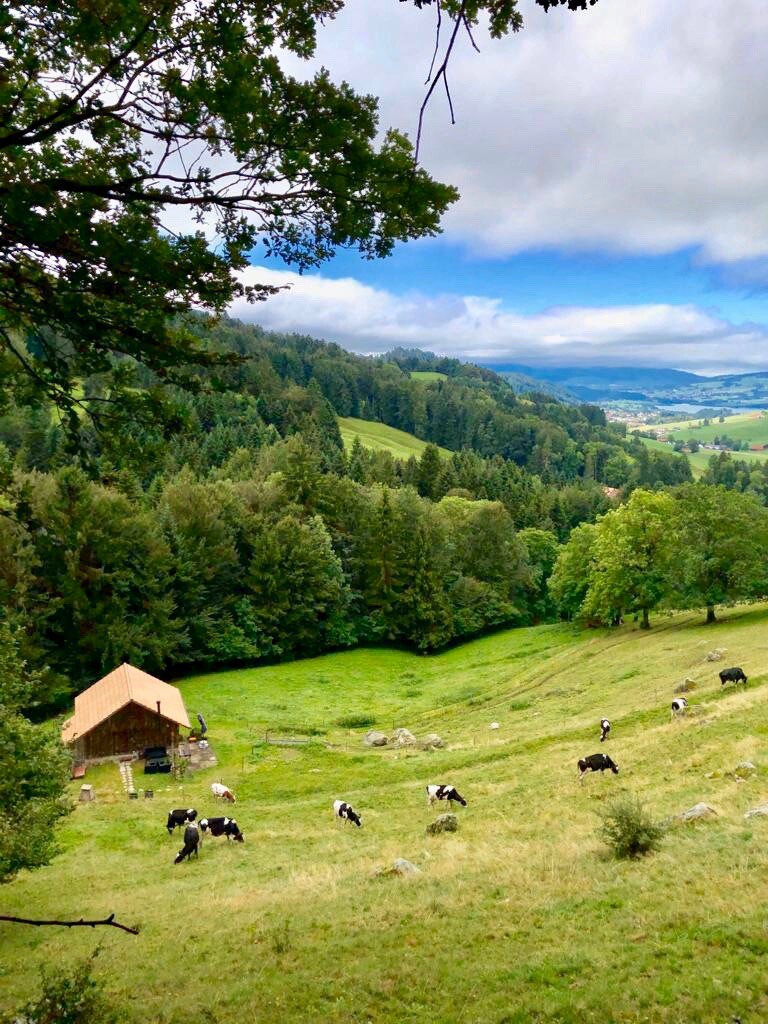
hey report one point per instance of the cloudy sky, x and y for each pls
(613, 170)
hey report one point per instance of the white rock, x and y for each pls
(375, 739)
(758, 812)
(403, 738)
(697, 812)
(494, 725)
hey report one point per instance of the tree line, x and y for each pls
(696, 546)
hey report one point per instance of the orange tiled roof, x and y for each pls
(123, 686)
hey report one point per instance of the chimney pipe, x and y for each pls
(158, 707)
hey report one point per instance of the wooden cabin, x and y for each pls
(125, 712)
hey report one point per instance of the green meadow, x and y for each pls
(700, 460)
(381, 437)
(519, 916)
(748, 426)
(428, 376)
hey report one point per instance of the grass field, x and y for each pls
(379, 436)
(518, 917)
(428, 376)
(750, 426)
(700, 460)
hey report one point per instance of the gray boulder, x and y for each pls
(758, 812)
(400, 868)
(403, 738)
(744, 769)
(686, 686)
(717, 654)
(697, 813)
(431, 742)
(375, 739)
(443, 823)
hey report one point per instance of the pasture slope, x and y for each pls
(700, 460)
(518, 917)
(381, 437)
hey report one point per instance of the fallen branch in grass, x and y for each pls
(109, 921)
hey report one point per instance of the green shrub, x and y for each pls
(74, 997)
(356, 721)
(629, 829)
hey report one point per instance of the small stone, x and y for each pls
(399, 868)
(494, 725)
(403, 738)
(443, 823)
(375, 739)
(686, 686)
(758, 812)
(431, 742)
(697, 812)
(716, 655)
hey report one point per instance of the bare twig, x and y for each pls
(441, 73)
(437, 41)
(109, 921)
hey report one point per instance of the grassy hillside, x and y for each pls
(428, 376)
(379, 435)
(518, 917)
(700, 460)
(752, 427)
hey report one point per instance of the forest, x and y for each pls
(240, 530)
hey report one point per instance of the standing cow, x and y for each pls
(605, 728)
(345, 812)
(222, 792)
(222, 827)
(679, 706)
(732, 675)
(179, 817)
(191, 843)
(596, 763)
(449, 793)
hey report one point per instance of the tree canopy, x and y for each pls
(115, 115)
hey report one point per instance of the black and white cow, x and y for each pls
(449, 793)
(179, 817)
(605, 728)
(345, 812)
(596, 763)
(679, 706)
(222, 827)
(732, 675)
(191, 843)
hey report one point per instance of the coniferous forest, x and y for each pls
(234, 527)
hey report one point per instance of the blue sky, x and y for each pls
(612, 166)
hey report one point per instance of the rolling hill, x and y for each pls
(381, 437)
(517, 917)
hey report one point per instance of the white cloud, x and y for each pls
(366, 319)
(634, 126)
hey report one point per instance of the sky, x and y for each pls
(613, 171)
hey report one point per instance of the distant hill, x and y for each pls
(602, 385)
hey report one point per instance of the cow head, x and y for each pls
(614, 768)
(455, 795)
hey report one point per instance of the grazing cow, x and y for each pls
(605, 728)
(596, 763)
(679, 705)
(191, 843)
(179, 817)
(222, 827)
(449, 793)
(732, 675)
(221, 792)
(346, 812)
